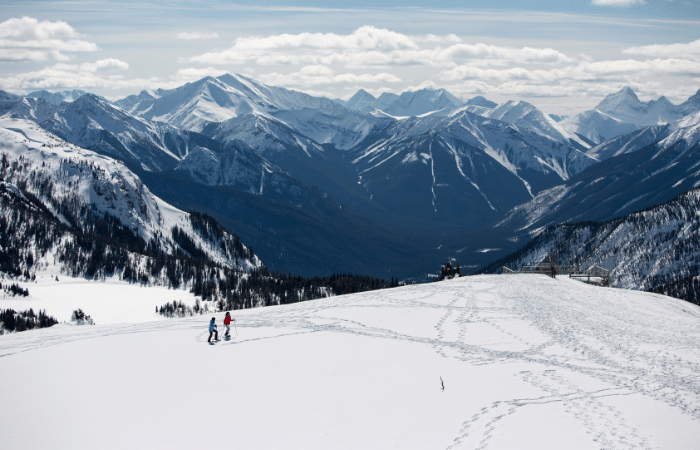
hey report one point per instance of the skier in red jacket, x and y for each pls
(227, 322)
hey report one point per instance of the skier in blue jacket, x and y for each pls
(212, 330)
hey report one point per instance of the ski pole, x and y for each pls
(234, 327)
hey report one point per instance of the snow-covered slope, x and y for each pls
(597, 126)
(92, 123)
(528, 117)
(630, 142)
(462, 162)
(71, 181)
(526, 362)
(686, 133)
(342, 129)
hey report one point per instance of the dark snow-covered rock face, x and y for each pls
(490, 165)
(636, 178)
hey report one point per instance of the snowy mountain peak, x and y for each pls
(526, 116)
(416, 103)
(512, 111)
(361, 101)
(622, 112)
(213, 100)
(481, 101)
(625, 96)
(56, 98)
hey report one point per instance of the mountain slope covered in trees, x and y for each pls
(643, 250)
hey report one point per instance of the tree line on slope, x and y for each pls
(102, 247)
(13, 321)
(656, 249)
(687, 288)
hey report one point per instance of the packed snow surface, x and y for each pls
(527, 362)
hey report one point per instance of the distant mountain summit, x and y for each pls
(622, 112)
(481, 101)
(361, 101)
(56, 98)
(213, 100)
(422, 102)
(408, 104)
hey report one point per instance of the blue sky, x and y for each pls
(559, 55)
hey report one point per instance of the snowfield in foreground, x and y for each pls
(528, 362)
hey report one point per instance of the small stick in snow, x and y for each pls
(443, 384)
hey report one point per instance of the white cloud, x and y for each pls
(444, 39)
(521, 55)
(690, 50)
(196, 35)
(193, 74)
(372, 47)
(28, 39)
(104, 64)
(617, 2)
(319, 75)
(84, 76)
(583, 71)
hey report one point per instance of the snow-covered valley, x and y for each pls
(526, 362)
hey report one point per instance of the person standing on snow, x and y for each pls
(227, 322)
(212, 330)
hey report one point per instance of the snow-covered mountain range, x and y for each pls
(622, 112)
(406, 164)
(56, 98)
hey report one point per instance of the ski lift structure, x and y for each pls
(594, 275)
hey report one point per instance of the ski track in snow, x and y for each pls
(581, 348)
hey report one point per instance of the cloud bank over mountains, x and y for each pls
(55, 55)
